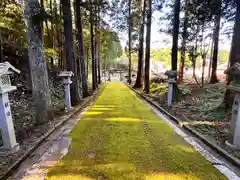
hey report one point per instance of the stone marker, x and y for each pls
(6, 123)
(234, 139)
(66, 75)
(171, 80)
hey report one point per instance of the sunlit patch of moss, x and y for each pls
(93, 113)
(123, 119)
(101, 109)
(166, 176)
(129, 142)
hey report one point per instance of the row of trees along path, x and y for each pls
(70, 40)
(197, 30)
(61, 35)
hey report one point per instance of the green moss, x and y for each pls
(121, 138)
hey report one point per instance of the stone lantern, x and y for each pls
(66, 75)
(172, 75)
(6, 123)
(234, 73)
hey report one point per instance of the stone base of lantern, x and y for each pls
(6, 152)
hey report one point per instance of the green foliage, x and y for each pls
(223, 56)
(50, 53)
(185, 91)
(111, 48)
(164, 56)
(158, 89)
(12, 26)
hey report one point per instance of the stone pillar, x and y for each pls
(67, 83)
(234, 139)
(171, 81)
(66, 75)
(6, 122)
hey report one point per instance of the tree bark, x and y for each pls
(213, 78)
(183, 48)
(129, 42)
(175, 35)
(81, 48)
(96, 54)
(61, 40)
(148, 48)
(211, 55)
(139, 79)
(52, 31)
(38, 67)
(195, 57)
(87, 63)
(92, 48)
(69, 48)
(98, 42)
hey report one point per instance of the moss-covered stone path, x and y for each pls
(120, 138)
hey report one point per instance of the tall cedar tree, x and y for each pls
(175, 34)
(69, 49)
(216, 40)
(96, 41)
(94, 75)
(99, 48)
(129, 42)
(138, 83)
(148, 43)
(38, 66)
(183, 47)
(81, 48)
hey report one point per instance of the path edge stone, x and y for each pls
(41, 140)
(235, 161)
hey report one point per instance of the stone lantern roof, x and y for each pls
(66, 74)
(7, 68)
(171, 74)
(233, 70)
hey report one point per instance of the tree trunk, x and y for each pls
(213, 78)
(234, 55)
(211, 55)
(183, 48)
(87, 63)
(129, 42)
(99, 48)
(195, 57)
(175, 35)
(92, 48)
(148, 48)
(1, 48)
(69, 48)
(139, 79)
(52, 31)
(49, 44)
(96, 55)
(81, 48)
(57, 30)
(38, 67)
